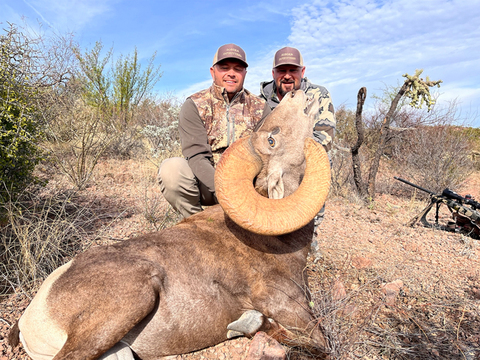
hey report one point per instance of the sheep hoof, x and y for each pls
(249, 323)
(233, 334)
(120, 351)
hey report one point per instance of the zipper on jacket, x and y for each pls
(230, 127)
(231, 124)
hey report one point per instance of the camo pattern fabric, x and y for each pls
(325, 123)
(462, 210)
(227, 121)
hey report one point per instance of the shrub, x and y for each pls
(435, 156)
(160, 126)
(76, 141)
(19, 129)
(118, 93)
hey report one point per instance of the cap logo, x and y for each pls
(232, 52)
(287, 57)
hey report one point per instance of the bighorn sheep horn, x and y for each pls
(238, 198)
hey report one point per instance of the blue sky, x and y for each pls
(346, 44)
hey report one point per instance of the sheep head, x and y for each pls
(285, 163)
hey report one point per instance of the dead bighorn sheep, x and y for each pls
(230, 270)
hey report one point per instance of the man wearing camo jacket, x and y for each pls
(288, 74)
(209, 121)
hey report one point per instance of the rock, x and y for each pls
(476, 293)
(338, 291)
(391, 291)
(360, 262)
(264, 347)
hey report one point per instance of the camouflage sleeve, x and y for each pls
(195, 147)
(266, 111)
(324, 129)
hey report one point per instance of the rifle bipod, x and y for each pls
(465, 211)
(422, 217)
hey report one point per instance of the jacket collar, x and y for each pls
(220, 93)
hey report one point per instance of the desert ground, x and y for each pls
(380, 289)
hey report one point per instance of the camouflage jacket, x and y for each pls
(209, 123)
(324, 129)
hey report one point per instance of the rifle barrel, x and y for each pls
(415, 186)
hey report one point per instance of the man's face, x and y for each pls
(230, 74)
(287, 78)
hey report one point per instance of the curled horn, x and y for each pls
(236, 194)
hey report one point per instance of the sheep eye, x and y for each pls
(271, 141)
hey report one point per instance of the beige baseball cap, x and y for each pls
(287, 56)
(230, 51)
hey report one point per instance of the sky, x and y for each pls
(346, 44)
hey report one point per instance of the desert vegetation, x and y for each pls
(82, 134)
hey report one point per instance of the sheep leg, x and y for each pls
(126, 299)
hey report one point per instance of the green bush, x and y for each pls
(19, 131)
(117, 92)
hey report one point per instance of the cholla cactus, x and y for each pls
(418, 90)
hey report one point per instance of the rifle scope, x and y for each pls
(453, 195)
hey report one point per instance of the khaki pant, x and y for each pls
(182, 189)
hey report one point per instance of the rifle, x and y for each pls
(464, 210)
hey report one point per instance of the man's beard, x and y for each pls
(282, 91)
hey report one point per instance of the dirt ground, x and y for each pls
(381, 290)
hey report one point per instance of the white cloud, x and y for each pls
(466, 99)
(349, 44)
(9, 15)
(38, 13)
(70, 15)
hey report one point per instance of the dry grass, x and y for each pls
(42, 233)
(419, 325)
(158, 212)
(47, 227)
(435, 314)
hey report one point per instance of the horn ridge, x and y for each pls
(236, 194)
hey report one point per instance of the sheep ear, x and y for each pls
(311, 107)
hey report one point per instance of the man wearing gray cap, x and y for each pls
(288, 74)
(209, 121)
